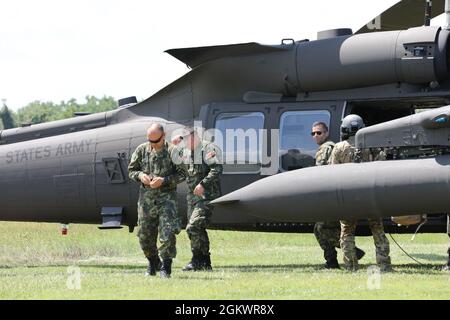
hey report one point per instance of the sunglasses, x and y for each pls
(156, 141)
(319, 133)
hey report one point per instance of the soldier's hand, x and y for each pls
(199, 190)
(156, 182)
(177, 140)
(145, 179)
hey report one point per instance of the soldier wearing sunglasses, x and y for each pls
(153, 167)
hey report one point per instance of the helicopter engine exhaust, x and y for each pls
(416, 56)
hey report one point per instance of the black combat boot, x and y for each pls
(330, 256)
(447, 266)
(195, 263)
(158, 264)
(153, 263)
(360, 253)
(332, 263)
(206, 262)
(166, 268)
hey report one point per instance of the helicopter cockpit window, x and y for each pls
(297, 148)
(239, 135)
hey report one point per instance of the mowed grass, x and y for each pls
(35, 260)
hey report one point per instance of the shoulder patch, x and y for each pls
(212, 153)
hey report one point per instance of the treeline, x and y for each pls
(39, 112)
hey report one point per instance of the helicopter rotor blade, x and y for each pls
(403, 15)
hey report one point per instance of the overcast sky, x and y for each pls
(56, 50)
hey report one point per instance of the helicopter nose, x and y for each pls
(278, 198)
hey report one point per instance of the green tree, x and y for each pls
(7, 118)
(39, 112)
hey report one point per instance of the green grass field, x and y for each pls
(34, 261)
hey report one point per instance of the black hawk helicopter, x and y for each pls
(75, 170)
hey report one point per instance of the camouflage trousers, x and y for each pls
(199, 215)
(348, 245)
(159, 216)
(328, 235)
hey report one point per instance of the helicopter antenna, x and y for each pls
(428, 7)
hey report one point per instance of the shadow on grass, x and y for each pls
(81, 265)
(412, 268)
(430, 256)
(272, 267)
(415, 268)
(197, 276)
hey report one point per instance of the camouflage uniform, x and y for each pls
(157, 208)
(327, 233)
(345, 152)
(323, 154)
(204, 167)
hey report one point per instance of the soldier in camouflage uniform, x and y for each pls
(327, 233)
(152, 166)
(345, 152)
(203, 173)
